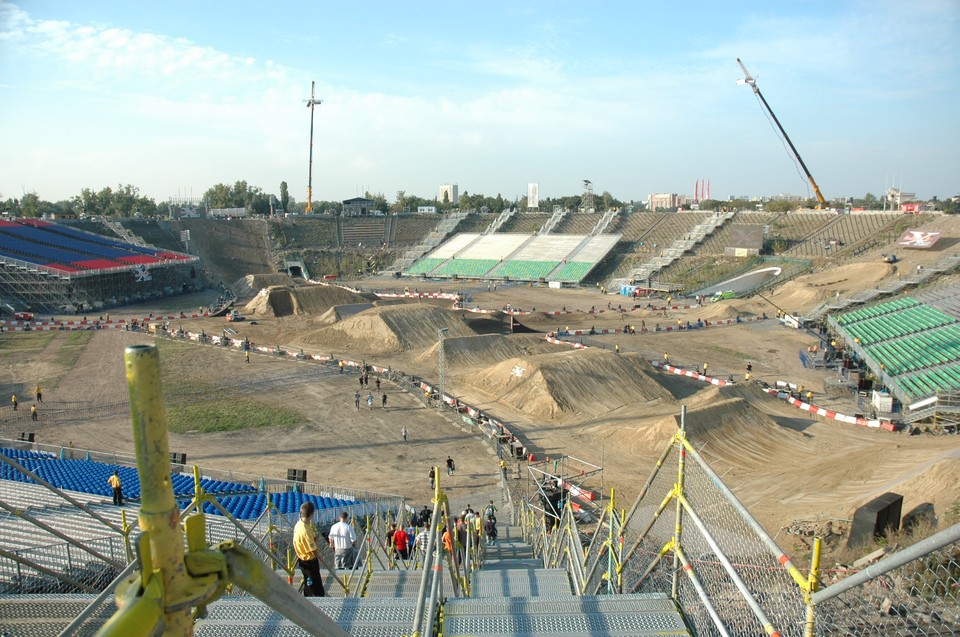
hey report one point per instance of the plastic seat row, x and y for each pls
(931, 381)
(424, 266)
(877, 310)
(926, 349)
(25, 453)
(527, 270)
(246, 507)
(465, 267)
(573, 271)
(88, 476)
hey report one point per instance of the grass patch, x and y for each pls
(228, 413)
(70, 351)
(21, 343)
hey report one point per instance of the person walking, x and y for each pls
(356, 400)
(401, 543)
(383, 400)
(305, 546)
(13, 399)
(450, 466)
(342, 541)
(34, 416)
(704, 369)
(369, 401)
(39, 394)
(246, 356)
(490, 530)
(503, 467)
(117, 485)
(404, 433)
(378, 384)
(432, 474)
(340, 365)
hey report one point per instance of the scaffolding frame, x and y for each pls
(47, 290)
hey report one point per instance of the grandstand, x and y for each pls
(911, 346)
(566, 258)
(49, 267)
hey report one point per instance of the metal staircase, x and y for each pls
(513, 594)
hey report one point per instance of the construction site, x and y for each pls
(670, 465)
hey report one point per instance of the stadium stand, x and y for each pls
(53, 267)
(912, 347)
(243, 501)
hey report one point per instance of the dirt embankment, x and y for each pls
(570, 384)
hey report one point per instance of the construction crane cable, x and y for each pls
(783, 142)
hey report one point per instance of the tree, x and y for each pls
(30, 205)
(284, 196)
(401, 203)
(780, 206)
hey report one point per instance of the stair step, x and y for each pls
(521, 582)
(611, 616)
(229, 617)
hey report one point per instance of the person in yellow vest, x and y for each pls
(503, 467)
(33, 412)
(115, 482)
(809, 396)
(305, 546)
(704, 369)
(13, 399)
(39, 394)
(666, 358)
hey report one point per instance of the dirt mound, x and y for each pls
(251, 284)
(389, 329)
(487, 349)
(312, 300)
(811, 290)
(935, 484)
(570, 384)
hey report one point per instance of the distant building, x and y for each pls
(426, 209)
(358, 207)
(449, 193)
(533, 196)
(223, 213)
(661, 200)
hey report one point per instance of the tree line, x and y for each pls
(126, 201)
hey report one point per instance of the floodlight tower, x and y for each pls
(586, 202)
(313, 101)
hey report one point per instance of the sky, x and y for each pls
(174, 97)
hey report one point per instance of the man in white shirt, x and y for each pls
(342, 541)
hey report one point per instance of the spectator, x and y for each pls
(305, 546)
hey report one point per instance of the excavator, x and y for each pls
(752, 83)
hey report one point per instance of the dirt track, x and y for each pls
(603, 408)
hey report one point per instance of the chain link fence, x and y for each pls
(688, 535)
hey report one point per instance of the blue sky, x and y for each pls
(638, 97)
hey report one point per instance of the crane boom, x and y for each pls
(752, 83)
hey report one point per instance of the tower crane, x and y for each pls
(750, 81)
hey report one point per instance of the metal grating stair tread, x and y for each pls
(521, 582)
(622, 615)
(364, 617)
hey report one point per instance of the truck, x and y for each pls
(234, 316)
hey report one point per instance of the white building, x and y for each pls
(533, 196)
(449, 193)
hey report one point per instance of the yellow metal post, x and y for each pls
(813, 580)
(159, 514)
(678, 523)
